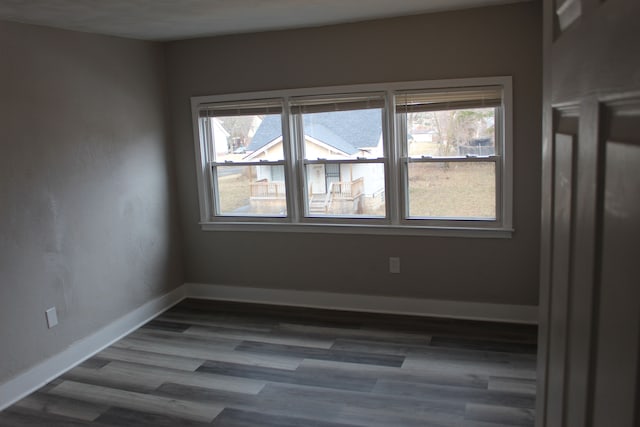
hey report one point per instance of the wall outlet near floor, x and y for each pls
(52, 317)
(394, 265)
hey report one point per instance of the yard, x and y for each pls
(445, 190)
(450, 190)
(234, 192)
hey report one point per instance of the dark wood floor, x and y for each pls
(240, 365)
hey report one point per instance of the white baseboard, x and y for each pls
(368, 303)
(34, 378)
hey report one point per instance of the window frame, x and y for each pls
(497, 158)
(212, 164)
(299, 142)
(396, 221)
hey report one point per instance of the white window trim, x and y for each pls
(393, 224)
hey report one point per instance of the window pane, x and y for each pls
(452, 190)
(451, 133)
(246, 138)
(348, 189)
(251, 190)
(339, 135)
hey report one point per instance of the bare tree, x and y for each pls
(239, 128)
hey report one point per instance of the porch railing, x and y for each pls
(348, 190)
(268, 189)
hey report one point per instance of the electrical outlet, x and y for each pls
(52, 317)
(394, 265)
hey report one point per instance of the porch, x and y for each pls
(342, 197)
(267, 196)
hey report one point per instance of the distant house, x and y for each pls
(421, 133)
(332, 188)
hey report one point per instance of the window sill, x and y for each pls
(388, 230)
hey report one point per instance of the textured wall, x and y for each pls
(491, 41)
(87, 216)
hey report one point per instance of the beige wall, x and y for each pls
(492, 41)
(87, 208)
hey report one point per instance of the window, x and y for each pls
(245, 146)
(419, 157)
(450, 154)
(344, 155)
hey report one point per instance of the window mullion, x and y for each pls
(469, 159)
(394, 193)
(402, 150)
(295, 126)
(262, 162)
(343, 161)
(212, 176)
(291, 183)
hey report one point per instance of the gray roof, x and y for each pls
(346, 131)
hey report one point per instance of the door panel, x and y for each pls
(560, 276)
(590, 260)
(618, 312)
(616, 365)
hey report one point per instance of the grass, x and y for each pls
(234, 192)
(450, 190)
(458, 190)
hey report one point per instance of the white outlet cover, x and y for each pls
(394, 265)
(52, 317)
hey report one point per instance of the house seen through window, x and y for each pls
(248, 166)
(344, 156)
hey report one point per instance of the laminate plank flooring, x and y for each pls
(223, 364)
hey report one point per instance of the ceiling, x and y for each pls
(163, 20)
